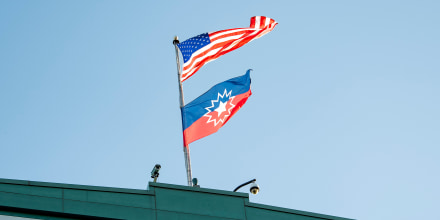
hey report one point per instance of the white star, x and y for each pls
(221, 108)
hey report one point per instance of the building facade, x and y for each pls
(39, 200)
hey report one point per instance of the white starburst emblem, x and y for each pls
(221, 108)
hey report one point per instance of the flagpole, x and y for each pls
(182, 104)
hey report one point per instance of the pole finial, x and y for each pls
(176, 40)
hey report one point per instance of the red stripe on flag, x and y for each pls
(197, 61)
(220, 44)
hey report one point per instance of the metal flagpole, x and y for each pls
(182, 104)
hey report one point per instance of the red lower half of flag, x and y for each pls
(212, 121)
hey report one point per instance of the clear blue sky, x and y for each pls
(343, 120)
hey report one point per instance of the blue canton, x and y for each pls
(188, 47)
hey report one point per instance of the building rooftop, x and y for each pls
(41, 200)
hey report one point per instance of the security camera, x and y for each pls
(155, 171)
(254, 188)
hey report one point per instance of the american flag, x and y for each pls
(201, 49)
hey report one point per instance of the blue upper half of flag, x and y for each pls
(214, 97)
(188, 47)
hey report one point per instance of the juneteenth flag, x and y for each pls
(201, 49)
(210, 111)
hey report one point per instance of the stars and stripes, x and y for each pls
(204, 48)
